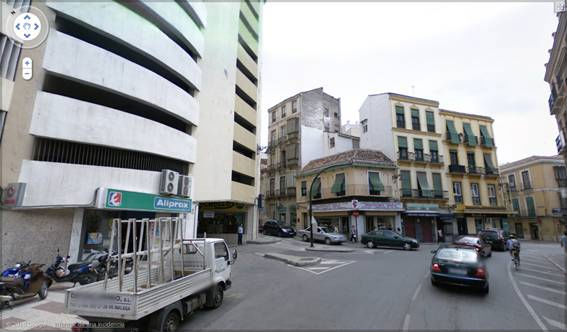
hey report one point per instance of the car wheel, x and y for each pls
(489, 254)
(327, 240)
(215, 297)
(434, 283)
(407, 246)
(171, 322)
(370, 244)
(485, 290)
(305, 238)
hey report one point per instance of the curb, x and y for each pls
(263, 241)
(329, 250)
(293, 260)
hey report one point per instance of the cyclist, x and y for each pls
(514, 246)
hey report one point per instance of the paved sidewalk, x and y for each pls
(36, 315)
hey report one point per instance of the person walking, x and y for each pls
(440, 235)
(240, 233)
(353, 233)
(563, 241)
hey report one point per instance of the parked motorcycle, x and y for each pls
(99, 266)
(23, 280)
(62, 271)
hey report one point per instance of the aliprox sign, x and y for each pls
(135, 201)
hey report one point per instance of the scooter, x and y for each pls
(62, 271)
(23, 280)
(99, 266)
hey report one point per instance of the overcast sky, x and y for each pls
(481, 58)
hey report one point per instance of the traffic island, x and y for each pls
(330, 249)
(294, 260)
(263, 240)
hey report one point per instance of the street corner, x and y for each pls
(293, 260)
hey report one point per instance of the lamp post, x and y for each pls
(311, 194)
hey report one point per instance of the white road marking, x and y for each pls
(524, 301)
(543, 287)
(540, 278)
(317, 268)
(551, 303)
(549, 268)
(538, 271)
(330, 261)
(555, 324)
(319, 273)
(556, 265)
(336, 267)
(405, 327)
(416, 293)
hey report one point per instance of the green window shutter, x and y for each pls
(433, 146)
(430, 118)
(471, 139)
(487, 139)
(531, 206)
(488, 162)
(374, 181)
(453, 136)
(415, 113)
(437, 184)
(516, 204)
(402, 142)
(400, 110)
(339, 185)
(316, 187)
(418, 143)
(422, 181)
(406, 180)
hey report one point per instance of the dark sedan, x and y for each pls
(390, 239)
(495, 237)
(273, 227)
(476, 243)
(460, 267)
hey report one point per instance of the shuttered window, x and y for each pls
(452, 132)
(338, 187)
(405, 177)
(374, 183)
(470, 138)
(531, 206)
(423, 184)
(437, 185)
(430, 117)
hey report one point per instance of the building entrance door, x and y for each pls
(418, 231)
(519, 230)
(462, 226)
(534, 232)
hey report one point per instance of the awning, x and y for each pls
(488, 162)
(471, 138)
(402, 142)
(339, 185)
(374, 181)
(452, 132)
(422, 180)
(484, 133)
(316, 187)
(418, 143)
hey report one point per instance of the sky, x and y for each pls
(480, 58)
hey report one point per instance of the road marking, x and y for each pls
(540, 278)
(543, 287)
(538, 271)
(311, 269)
(405, 327)
(524, 301)
(549, 268)
(556, 265)
(330, 261)
(317, 268)
(539, 299)
(336, 267)
(416, 293)
(555, 324)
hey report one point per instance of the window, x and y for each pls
(282, 131)
(457, 192)
(433, 151)
(272, 186)
(471, 162)
(2, 122)
(283, 111)
(273, 136)
(418, 149)
(454, 157)
(405, 178)
(422, 185)
(475, 193)
(336, 115)
(221, 251)
(282, 185)
(402, 148)
(274, 116)
(364, 124)
(531, 206)
(470, 138)
(283, 158)
(492, 194)
(294, 106)
(512, 182)
(526, 180)
(332, 142)
(415, 125)
(375, 186)
(560, 172)
(516, 205)
(316, 188)
(303, 188)
(339, 185)
(326, 112)
(430, 117)
(400, 117)
(437, 185)
(490, 169)
(478, 224)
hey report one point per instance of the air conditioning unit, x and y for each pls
(184, 186)
(169, 182)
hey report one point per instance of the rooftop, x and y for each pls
(352, 156)
(531, 159)
(432, 102)
(320, 90)
(483, 117)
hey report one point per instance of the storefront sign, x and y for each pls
(128, 200)
(360, 206)
(422, 207)
(13, 194)
(209, 214)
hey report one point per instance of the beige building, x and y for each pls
(476, 197)
(355, 192)
(538, 187)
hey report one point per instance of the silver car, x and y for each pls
(322, 234)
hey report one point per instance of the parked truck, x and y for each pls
(172, 278)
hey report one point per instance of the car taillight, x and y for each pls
(435, 267)
(78, 327)
(480, 273)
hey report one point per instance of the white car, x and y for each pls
(322, 234)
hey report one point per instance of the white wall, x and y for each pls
(342, 144)
(312, 144)
(378, 113)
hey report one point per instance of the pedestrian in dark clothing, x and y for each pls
(240, 233)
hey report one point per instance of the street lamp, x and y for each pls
(311, 194)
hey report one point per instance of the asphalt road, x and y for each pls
(382, 289)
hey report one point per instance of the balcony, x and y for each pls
(475, 171)
(425, 194)
(555, 103)
(292, 162)
(476, 201)
(420, 158)
(270, 194)
(487, 142)
(562, 183)
(458, 138)
(355, 190)
(291, 192)
(457, 169)
(491, 172)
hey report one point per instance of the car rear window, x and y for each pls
(490, 235)
(468, 240)
(457, 255)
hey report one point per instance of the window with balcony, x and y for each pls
(492, 194)
(375, 186)
(526, 180)
(418, 149)
(485, 138)
(283, 159)
(303, 188)
(488, 165)
(405, 179)
(415, 124)
(470, 137)
(273, 137)
(423, 188)
(457, 192)
(560, 175)
(282, 185)
(272, 187)
(400, 117)
(364, 124)
(430, 117)
(437, 185)
(530, 204)
(512, 182)
(475, 193)
(434, 151)
(452, 134)
(274, 115)
(516, 205)
(471, 162)
(294, 106)
(338, 187)
(402, 148)
(283, 111)
(332, 142)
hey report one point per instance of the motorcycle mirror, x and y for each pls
(234, 254)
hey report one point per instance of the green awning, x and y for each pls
(471, 138)
(453, 136)
(374, 182)
(488, 162)
(430, 118)
(402, 142)
(418, 143)
(316, 188)
(423, 184)
(339, 185)
(433, 146)
(487, 139)
(399, 110)
(415, 113)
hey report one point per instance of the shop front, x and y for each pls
(420, 221)
(221, 219)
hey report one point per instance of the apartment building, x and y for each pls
(301, 128)
(556, 76)
(117, 95)
(354, 193)
(476, 196)
(538, 193)
(408, 131)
